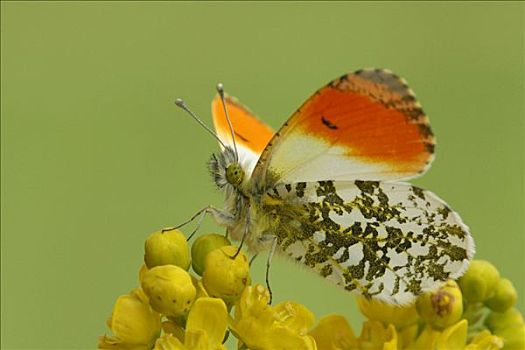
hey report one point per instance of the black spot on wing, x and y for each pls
(241, 137)
(418, 192)
(328, 123)
(299, 189)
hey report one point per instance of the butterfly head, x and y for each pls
(226, 170)
(234, 174)
(225, 167)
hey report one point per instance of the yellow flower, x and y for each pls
(376, 336)
(134, 324)
(260, 326)
(455, 337)
(399, 316)
(334, 333)
(205, 328)
(485, 341)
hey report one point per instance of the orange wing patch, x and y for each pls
(250, 132)
(377, 124)
(367, 125)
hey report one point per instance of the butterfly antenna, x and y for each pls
(220, 90)
(180, 103)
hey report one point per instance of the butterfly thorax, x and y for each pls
(243, 203)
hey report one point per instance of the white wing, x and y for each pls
(390, 241)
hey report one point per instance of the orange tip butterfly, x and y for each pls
(327, 188)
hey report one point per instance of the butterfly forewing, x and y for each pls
(367, 125)
(390, 241)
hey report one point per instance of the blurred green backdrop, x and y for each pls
(95, 156)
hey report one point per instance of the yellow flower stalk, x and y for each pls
(133, 323)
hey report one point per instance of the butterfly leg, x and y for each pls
(222, 218)
(268, 264)
(253, 259)
(244, 234)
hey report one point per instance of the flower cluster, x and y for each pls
(179, 310)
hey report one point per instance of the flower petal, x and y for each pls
(485, 341)
(426, 340)
(399, 316)
(333, 333)
(173, 329)
(168, 342)
(294, 316)
(210, 316)
(133, 321)
(391, 338)
(453, 337)
(115, 343)
(254, 300)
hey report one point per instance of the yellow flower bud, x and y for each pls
(169, 289)
(502, 320)
(478, 283)
(167, 248)
(399, 316)
(441, 308)
(202, 246)
(504, 296)
(142, 272)
(225, 277)
(513, 337)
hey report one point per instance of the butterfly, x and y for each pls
(327, 189)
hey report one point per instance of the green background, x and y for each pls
(95, 156)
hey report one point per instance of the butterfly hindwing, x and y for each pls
(390, 241)
(251, 134)
(367, 125)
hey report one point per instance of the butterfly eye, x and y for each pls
(234, 174)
